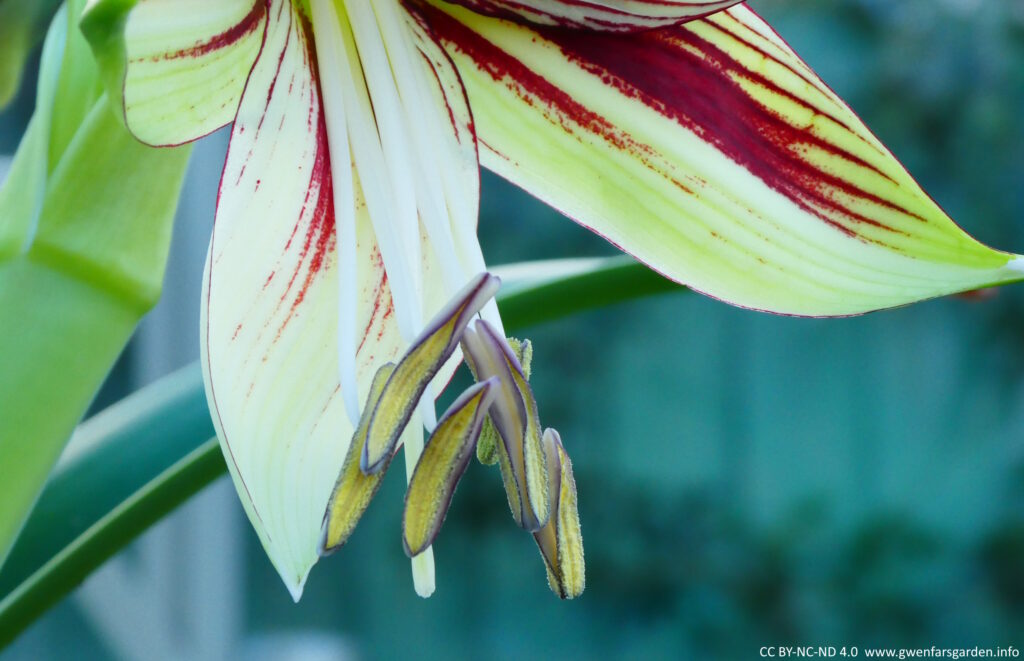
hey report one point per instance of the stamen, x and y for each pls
(534, 464)
(547, 537)
(560, 540)
(354, 489)
(487, 446)
(514, 413)
(441, 467)
(510, 408)
(523, 350)
(420, 364)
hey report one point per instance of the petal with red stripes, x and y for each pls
(601, 15)
(714, 154)
(179, 66)
(271, 304)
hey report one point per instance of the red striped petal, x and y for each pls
(271, 304)
(603, 15)
(178, 66)
(714, 154)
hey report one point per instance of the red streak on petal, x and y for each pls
(246, 26)
(701, 91)
(696, 84)
(320, 239)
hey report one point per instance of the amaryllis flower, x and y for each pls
(344, 273)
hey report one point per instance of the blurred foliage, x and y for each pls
(748, 480)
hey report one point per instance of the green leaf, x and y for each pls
(22, 25)
(85, 225)
(78, 85)
(21, 194)
(159, 426)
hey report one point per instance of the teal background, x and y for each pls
(744, 480)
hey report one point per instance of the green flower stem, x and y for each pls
(536, 292)
(136, 462)
(113, 454)
(106, 537)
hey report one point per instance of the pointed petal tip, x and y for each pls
(1016, 264)
(292, 566)
(297, 584)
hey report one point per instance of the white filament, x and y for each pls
(333, 64)
(424, 119)
(393, 137)
(385, 202)
(422, 564)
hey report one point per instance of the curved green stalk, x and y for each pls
(150, 453)
(107, 536)
(111, 455)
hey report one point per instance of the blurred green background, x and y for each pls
(744, 480)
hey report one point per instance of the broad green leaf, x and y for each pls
(78, 84)
(177, 66)
(715, 155)
(535, 292)
(67, 538)
(73, 299)
(22, 192)
(15, 44)
(85, 222)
